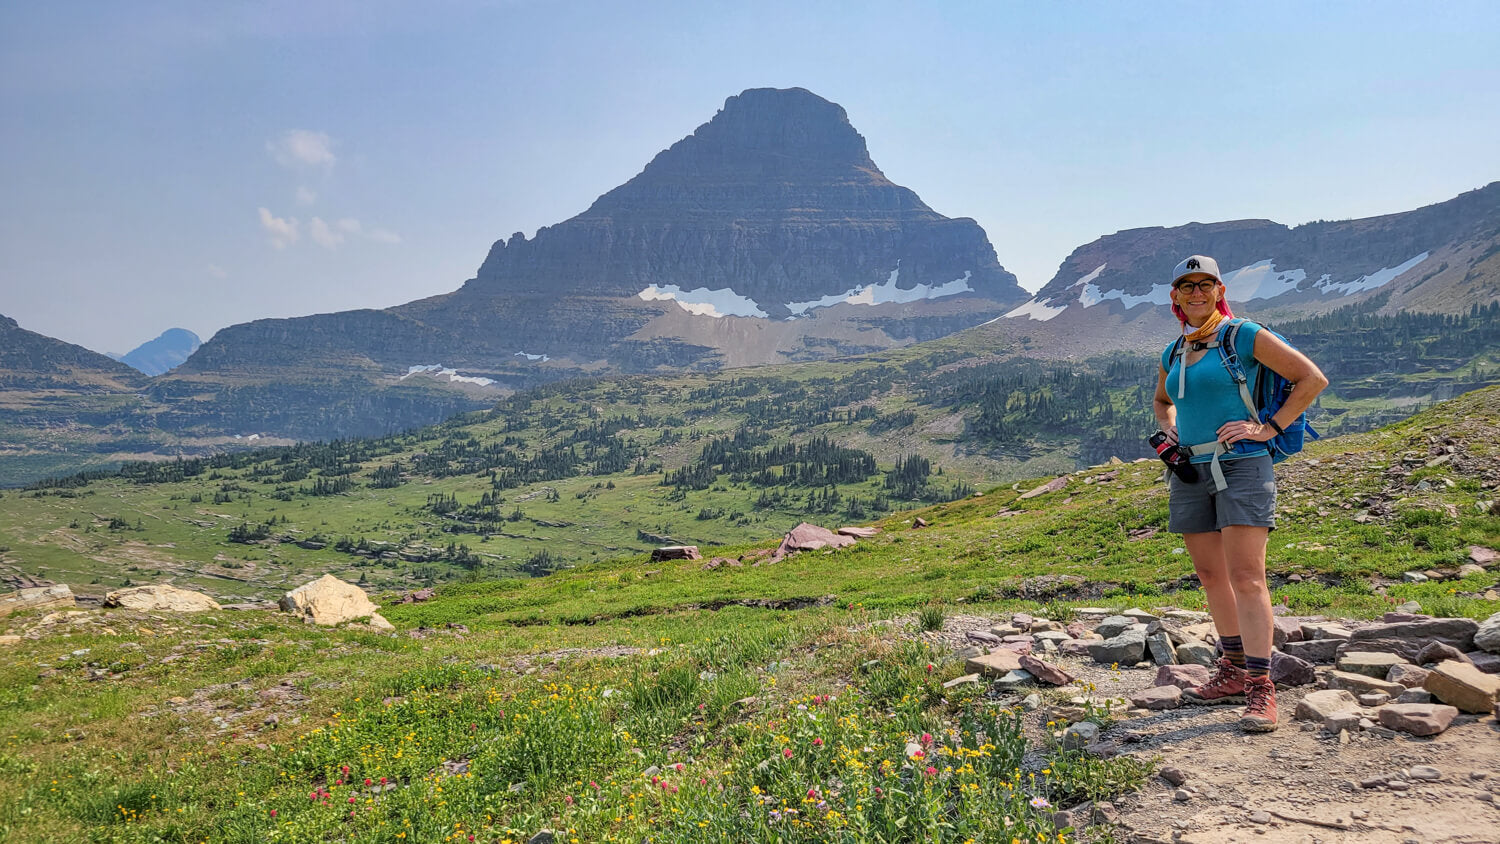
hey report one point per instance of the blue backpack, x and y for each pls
(1266, 397)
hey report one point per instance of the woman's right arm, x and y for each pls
(1166, 412)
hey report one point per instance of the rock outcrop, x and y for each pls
(328, 601)
(57, 596)
(161, 598)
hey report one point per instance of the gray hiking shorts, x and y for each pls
(1248, 499)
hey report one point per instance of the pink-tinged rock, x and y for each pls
(1288, 670)
(1051, 486)
(1074, 647)
(1464, 686)
(1021, 620)
(1438, 652)
(1317, 706)
(1159, 697)
(1419, 719)
(984, 637)
(1360, 684)
(1398, 617)
(1077, 630)
(807, 537)
(1285, 630)
(1410, 676)
(1045, 671)
(858, 532)
(1181, 676)
(997, 664)
(1482, 555)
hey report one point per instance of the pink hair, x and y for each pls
(1223, 304)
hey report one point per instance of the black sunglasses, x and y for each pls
(1205, 285)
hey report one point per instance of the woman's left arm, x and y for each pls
(1307, 379)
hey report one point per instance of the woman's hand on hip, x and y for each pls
(1239, 430)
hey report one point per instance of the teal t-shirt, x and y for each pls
(1211, 397)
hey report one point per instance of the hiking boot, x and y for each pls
(1260, 710)
(1226, 686)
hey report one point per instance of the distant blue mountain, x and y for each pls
(164, 353)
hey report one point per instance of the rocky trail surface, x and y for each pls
(1335, 777)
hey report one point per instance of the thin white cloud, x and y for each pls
(324, 235)
(217, 271)
(302, 148)
(306, 195)
(333, 235)
(282, 231)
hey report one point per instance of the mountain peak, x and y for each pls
(766, 148)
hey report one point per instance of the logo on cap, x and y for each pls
(1193, 264)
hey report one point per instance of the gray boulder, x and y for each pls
(1126, 648)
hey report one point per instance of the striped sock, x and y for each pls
(1258, 666)
(1233, 650)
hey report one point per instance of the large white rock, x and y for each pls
(55, 596)
(328, 601)
(160, 599)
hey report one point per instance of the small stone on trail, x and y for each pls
(1181, 676)
(1173, 775)
(1080, 735)
(1182, 795)
(1014, 680)
(1158, 697)
(1418, 719)
(1374, 699)
(1414, 696)
(1260, 817)
(1288, 670)
(1045, 672)
(997, 664)
(1196, 653)
(1161, 650)
(1031, 702)
(1317, 706)
(1424, 772)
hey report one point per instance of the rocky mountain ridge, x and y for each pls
(1442, 258)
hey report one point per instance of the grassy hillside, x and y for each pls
(503, 707)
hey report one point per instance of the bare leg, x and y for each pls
(1244, 550)
(1207, 553)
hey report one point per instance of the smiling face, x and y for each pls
(1196, 302)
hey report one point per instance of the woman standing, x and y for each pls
(1226, 515)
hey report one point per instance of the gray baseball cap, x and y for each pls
(1197, 264)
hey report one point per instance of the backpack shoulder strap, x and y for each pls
(1229, 355)
(1177, 350)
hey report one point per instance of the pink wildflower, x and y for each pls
(786, 753)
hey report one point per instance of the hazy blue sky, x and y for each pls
(154, 156)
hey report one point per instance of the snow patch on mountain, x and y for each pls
(1379, 278)
(440, 372)
(887, 293)
(1040, 311)
(1261, 280)
(1090, 277)
(1160, 294)
(530, 357)
(703, 301)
